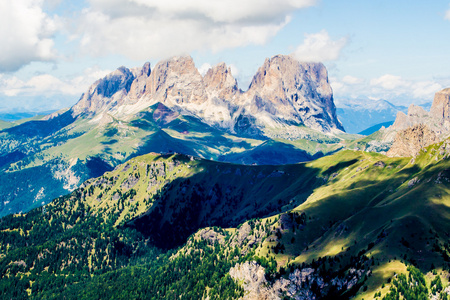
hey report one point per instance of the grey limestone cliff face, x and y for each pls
(284, 92)
(296, 92)
(105, 93)
(441, 105)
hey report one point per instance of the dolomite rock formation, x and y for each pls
(283, 93)
(297, 285)
(410, 141)
(437, 119)
(441, 105)
(419, 128)
(105, 93)
(297, 92)
(254, 281)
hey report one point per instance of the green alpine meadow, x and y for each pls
(235, 150)
(352, 224)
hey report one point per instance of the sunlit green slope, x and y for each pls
(350, 220)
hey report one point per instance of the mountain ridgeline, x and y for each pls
(283, 92)
(286, 116)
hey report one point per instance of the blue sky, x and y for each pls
(52, 50)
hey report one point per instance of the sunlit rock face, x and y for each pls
(284, 92)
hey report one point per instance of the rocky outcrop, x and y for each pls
(418, 128)
(254, 282)
(437, 119)
(284, 92)
(441, 105)
(298, 284)
(416, 115)
(410, 141)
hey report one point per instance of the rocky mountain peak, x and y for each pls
(176, 81)
(441, 105)
(105, 93)
(145, 71)
(419, 128)
(438, 119)
(219, 81)
(283, 93)
(299, 92)
(139, 85)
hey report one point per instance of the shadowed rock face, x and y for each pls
(283, 92)
(105, 93)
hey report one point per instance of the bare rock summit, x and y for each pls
(284, 94)
(297, 92)
(437, 119)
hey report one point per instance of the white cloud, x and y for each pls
(204, 69)
(352, 80)
(425, 89)
(25, 34)
(143, 29)
(447, 15)
(46, 84)
(320, 47)
(390, 82)
(234, 70)
(389, 87)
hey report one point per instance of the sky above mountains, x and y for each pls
(52, 50)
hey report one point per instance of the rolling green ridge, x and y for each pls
(166, 226)
(5, 124)
(48, 158)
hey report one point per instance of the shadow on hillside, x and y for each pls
(41, 128)
(224, 195)
(370, 215)
(198, 137)
(270, 153)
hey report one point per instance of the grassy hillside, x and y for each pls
(341, 226)
(47, 158)
(4, 124)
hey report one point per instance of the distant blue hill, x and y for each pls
(15, 116)
(375, 128)
(357, 115)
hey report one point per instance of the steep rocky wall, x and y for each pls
(283, 92)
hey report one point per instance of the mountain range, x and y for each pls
(161, 183)
(413, 130)
(283, 93)
(286, 116)
(358, 115)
